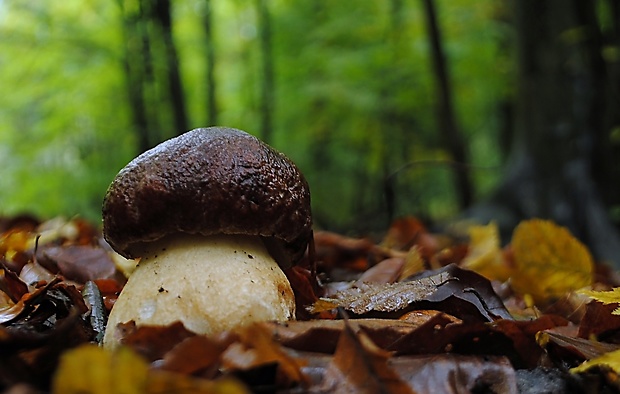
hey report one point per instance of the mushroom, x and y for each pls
(214, 216)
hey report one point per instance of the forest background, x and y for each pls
(493, 109)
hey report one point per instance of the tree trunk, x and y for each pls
(267, 80)
(207, 23)
(450, 133)
(137, 64)
(161, 16)
(557, 125)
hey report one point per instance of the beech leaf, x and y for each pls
(549, 261)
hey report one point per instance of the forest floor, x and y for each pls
(413, 312)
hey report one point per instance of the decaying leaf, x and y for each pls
(463, 293)
(485, 254)
(382, 297)
(549, 261)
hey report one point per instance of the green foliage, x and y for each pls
(354, 99)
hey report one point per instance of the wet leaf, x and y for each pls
(461, 293)
(549, 261)
(382, 297)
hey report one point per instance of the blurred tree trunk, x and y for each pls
(267, 73)
(161, 17)
(207, 23)
(150, 61)
(559, 129)
(137, 63)
(448, 127)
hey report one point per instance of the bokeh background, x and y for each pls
(492, 109)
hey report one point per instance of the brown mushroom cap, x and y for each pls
(210, 181)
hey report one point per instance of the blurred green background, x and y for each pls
(357, 93)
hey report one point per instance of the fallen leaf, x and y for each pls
(90, 369)
(322, 335)
(606, 297)
(387, 271)
(462, 293)
(610, 360)
(256, 347)
(485, 255)
(414, 264)
(549, 261)
(359, 366)
(454, 373)
(578, 348)
(80, 263)
(599, 322)
(382, 297)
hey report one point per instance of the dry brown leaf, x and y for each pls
(256, 347)
(359, 366)
(549, 261)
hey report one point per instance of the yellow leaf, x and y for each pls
(609, 360)
(549, 261)
(485, 254)
(90, 369)
(414, 263)
(606, 297)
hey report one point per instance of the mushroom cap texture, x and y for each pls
(208, 181)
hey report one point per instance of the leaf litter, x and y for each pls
(404, 314)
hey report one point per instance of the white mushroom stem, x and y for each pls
(210, 284)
